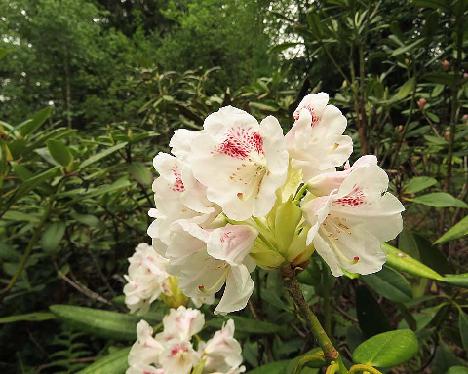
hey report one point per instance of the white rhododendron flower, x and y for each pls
(223, 352)
(172, 352)
(242, 163)
(181, 324)
(352, 217)
(316, 143)
(146, 350)
(177, 196)
(146, 279)
(239, 194)
(218, 256)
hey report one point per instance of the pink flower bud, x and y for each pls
(445, 64)
(421, 103)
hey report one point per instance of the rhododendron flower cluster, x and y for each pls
(172, 352)
(240, 194)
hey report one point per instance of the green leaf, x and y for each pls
(463, 327)
(277, 367)
(263, 107)
(371, 317)
(140, 173)
(102, 154)
(458, 370)
(38, 316)
(405, 90)
(407, 48)
(457, 279)
(247, 325)
(36, 121)
(60, 152)
(101, 323)
(432, 256)
(457, 231)
(439, 199)
(417, 184)
(86, 219)
(115, 363)
(31, 183)
(390, 284)
(388, 349)
(399, 260)
(52, 235)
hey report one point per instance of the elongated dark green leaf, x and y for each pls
(405, 90)
(371, 317)
(457, 231)
(60, 152)
(439, 199)
(399, 260)
(140, 173)
(31, 183)
(390, 284)
(417, 184)
(115, 363)
(458, 370)
(102, 154)
(39, 316)
(463, 327)
(277, 367)
(457, 279)
(52, 235)
(36, 121)
(98, 322)
(388, 349)
(407, 48)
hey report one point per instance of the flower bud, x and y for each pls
(445, 64)
(421, 103)
(172, 296)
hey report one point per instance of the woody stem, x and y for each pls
(331, 354)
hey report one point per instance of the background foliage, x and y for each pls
(91, 90)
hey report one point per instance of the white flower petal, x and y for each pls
(239, 288)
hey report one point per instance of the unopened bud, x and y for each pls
(445, 64)
(399, 128)
(447, 134)
(465, 118)
(421, 103)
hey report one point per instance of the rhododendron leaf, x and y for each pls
(115, 362)
(99, 156)
(457, 231)
(372, 319)
(463, 327)
(399, 260)
(35, 122)
(457, 279)
(140, 173)
(98, 322)
(52, 235)
(277, 367)
(417, 184)
(387, 349)
(39, 316)
(439, 199)
(390, 284)
(60, 152)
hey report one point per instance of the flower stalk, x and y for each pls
(331, 354)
